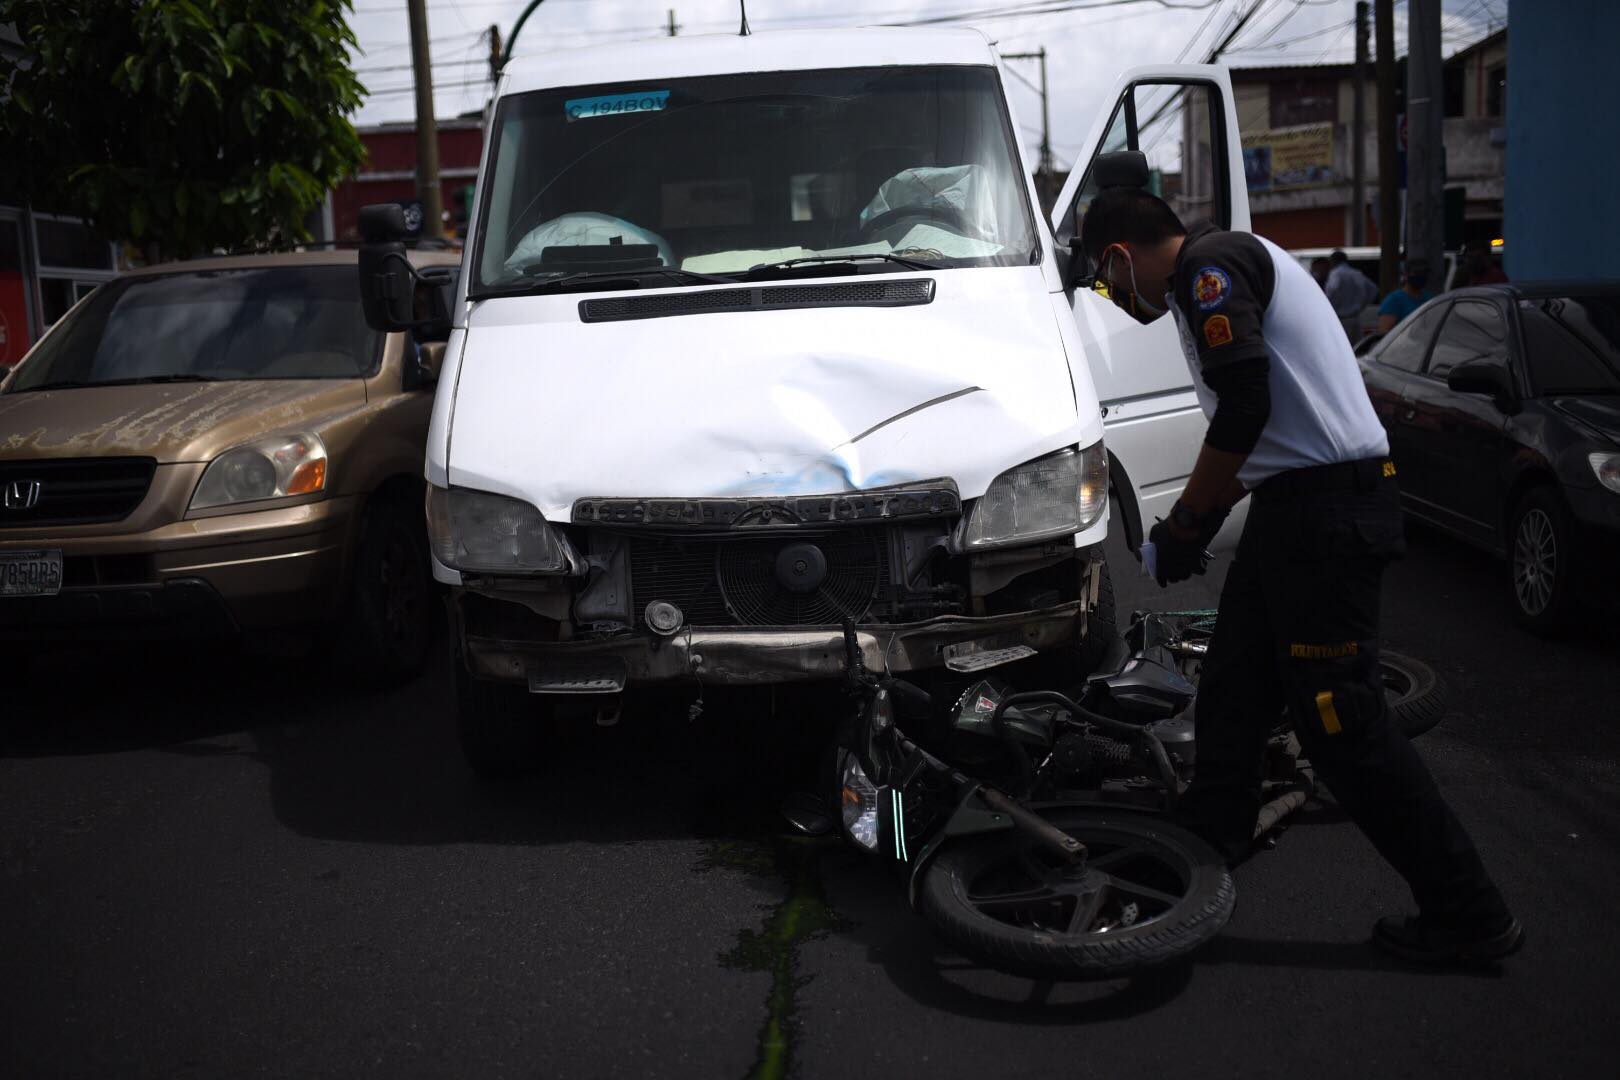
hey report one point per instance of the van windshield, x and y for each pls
(290, 322)
(720, 174)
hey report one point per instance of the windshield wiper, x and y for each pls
(687, 276)
(72, 384)
(884, 256)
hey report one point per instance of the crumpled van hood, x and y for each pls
(171, 422)
(786, 402)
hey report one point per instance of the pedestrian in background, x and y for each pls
(1412, 294)
(1348, 290)
(1320, 268)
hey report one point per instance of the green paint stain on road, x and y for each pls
(801, 915)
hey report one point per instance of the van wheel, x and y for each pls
(1541, 557)
(504, 730)
(392, 609)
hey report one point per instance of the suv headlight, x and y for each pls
(270, 468)
(1607, 467)
(1056, 495)
(483, 533)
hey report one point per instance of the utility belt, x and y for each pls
(1363, 475)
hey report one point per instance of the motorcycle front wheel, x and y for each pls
(1147, 894)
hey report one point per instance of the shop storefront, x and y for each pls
(47, 264)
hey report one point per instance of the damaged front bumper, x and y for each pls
(754, 656)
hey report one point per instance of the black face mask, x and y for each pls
(1130, 301)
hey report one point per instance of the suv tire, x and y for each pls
(393, 607)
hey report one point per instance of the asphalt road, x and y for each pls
(213, 865)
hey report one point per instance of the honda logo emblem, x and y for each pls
(22, 494)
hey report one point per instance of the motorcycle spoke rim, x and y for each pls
(1083, 902)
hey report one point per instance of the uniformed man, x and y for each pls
(1290, 425)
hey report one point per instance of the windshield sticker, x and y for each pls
(616, 104)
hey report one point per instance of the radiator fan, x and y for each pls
(802, 580)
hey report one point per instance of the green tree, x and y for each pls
(180, 125)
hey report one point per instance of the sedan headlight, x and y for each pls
(275, 467)
(1057, 495)
(1607, 467)
(483, 533)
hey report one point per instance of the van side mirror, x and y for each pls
(1484, 377)
(386, 293)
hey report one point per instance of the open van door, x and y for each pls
(1183, 117)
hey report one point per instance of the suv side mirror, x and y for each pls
(1484, 377)
(423, 370)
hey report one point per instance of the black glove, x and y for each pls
(1210, 524)
(1175, 559)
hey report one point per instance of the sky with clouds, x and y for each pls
(1088, 42)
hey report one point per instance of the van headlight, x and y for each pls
(483, 533)
(276, 467)
(1056, 495)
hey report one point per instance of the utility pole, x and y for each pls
(427, 128)
(1425, 157)
(1046, 167)
(494, 53)
(673, 27)
(1389, 214)
(1358, 134)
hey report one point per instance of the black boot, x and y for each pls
(1430, 940)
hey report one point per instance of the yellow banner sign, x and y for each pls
(1289, 157)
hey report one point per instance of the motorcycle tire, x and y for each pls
(1415, 694)
(1148, 894)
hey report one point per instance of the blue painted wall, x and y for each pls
(1561, 212)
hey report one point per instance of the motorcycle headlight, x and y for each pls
(858, 799)
(1056, 495)
(269, 468)
(483, 533)
(1607, 467)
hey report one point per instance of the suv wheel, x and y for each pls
(504, 730)
(1541, 556)
(392, 607)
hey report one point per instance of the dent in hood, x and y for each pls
(794, 402)
(171, 422)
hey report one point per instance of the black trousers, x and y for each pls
(1298, 629)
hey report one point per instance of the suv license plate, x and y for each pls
(30, 573)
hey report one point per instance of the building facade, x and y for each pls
(389, 175)
(1297, 129)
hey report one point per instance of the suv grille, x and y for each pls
(734, 581)
(71, 491)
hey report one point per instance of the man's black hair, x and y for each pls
(1127, 215)
(1338, 258)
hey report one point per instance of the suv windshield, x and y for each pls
(723, 173)
(287, 322)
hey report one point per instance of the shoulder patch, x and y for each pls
(1217, 331)
(1210, 288)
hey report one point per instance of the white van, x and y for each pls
(756, 335)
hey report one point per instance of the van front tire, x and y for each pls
(504, 730)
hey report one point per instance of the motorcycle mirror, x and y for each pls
(808, 814)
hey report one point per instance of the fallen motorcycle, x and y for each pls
(1056, 860)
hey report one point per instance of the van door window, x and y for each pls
(1178, 126)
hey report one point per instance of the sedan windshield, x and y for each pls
(1574, 344)
(290, 322)
(722, 174)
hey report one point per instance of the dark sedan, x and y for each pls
(1502, 405)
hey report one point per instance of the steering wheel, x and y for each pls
(953, 219)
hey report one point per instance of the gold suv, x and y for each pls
(221, 447)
